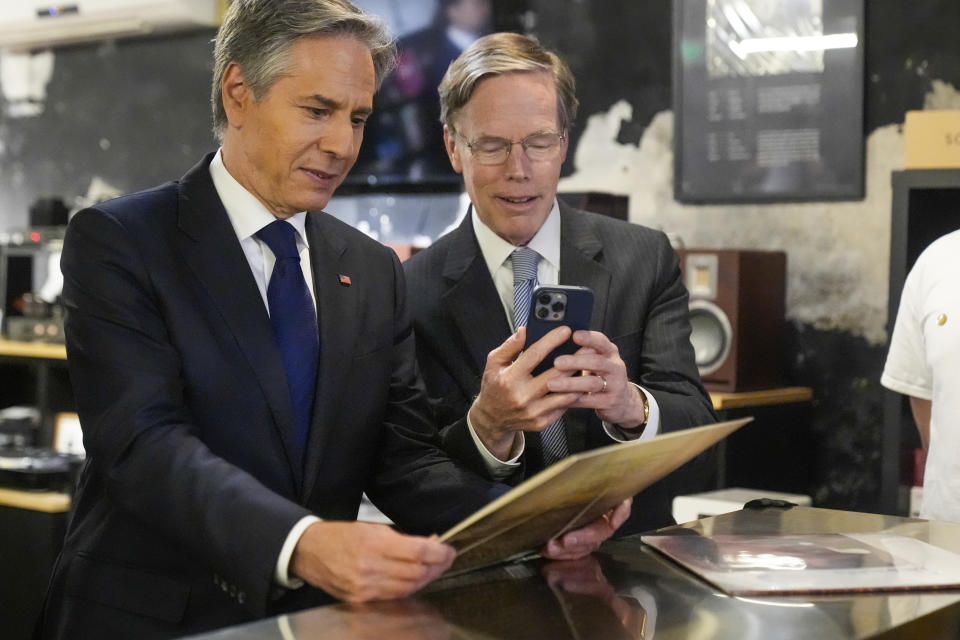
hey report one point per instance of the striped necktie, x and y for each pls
(553, 440)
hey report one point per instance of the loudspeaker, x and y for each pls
(736, 316)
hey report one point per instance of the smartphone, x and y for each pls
(555, 305)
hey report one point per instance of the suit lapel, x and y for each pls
(471, 299)
(581, 261)
(581, 254)
(336, 308)
(210, 248)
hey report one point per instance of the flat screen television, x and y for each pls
(403, 142)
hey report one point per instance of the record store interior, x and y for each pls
(801, 158)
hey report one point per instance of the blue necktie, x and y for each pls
(553, 439)
(294, 322)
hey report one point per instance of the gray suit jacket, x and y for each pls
(640, 303)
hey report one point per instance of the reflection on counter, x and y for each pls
(627, 590)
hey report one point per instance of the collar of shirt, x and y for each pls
(496, 250)
(247, 216)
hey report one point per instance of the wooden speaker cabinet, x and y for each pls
(736, 316)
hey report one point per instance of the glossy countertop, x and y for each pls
(628, 590)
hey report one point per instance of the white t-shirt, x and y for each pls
(924, 362)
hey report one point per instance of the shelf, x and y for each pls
(46, 501)
(763, 397)
(43, 350)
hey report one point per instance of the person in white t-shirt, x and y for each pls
(924, 364)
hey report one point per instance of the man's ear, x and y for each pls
(453, 152)
(236, 95)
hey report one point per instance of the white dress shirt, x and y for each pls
(248, 215)
(496, 253)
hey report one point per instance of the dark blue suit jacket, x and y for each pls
(188, 493)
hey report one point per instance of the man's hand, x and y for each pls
(584, 541)
(361, 561)
(512, 400)
(585, 577)
(604, 385)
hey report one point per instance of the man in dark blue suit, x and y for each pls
(244, 370)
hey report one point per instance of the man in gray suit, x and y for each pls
(506, 106)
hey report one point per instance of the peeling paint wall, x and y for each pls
(89, 121)
(837, 253)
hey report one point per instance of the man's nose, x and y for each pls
(517, 165)
(338, 139)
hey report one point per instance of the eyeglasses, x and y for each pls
(538, 147)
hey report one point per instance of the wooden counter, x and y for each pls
(763, 397)
(775, 416)
(43, 350)
(45, 501)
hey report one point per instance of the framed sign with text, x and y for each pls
(768, 100)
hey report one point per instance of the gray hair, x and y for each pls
(258, 35)
(499, 54)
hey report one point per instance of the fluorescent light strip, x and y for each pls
(794, 43)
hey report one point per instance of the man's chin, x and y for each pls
(316, 202)
(520, 229)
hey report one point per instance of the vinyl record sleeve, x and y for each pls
(754, 565)
(573, 492)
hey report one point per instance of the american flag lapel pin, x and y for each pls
(344, 280)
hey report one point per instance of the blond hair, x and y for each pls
(499, 54)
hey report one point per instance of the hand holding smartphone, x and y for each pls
(552, 306)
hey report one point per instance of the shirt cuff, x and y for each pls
(282, 573)
(649, 430)
(497, 468)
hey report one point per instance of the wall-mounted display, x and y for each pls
(403, 141)
(768, 100)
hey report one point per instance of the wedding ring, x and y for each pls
(604, 384)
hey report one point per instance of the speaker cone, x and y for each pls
(710, 334)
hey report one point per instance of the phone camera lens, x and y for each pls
(557, 307)
(543, 298)
(542, 312)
